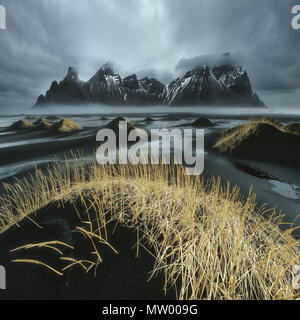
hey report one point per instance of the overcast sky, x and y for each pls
(161, 38)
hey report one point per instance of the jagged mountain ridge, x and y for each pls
(223, 84)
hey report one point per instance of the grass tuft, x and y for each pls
(207, 240)
(230, 139)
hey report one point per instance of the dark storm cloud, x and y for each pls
(146, 36)
(258, 35)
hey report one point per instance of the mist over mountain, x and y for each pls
(221, 84)
(148, 38)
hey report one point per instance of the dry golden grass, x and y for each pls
(231, 138)
(21, 124)
(65, 125)
(293, 128)
(42, 123)
(205, 238)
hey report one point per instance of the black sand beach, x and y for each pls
(275, 181)
(22, 149)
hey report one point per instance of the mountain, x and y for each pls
(220, 85)
(109, 88)
(69, 90)
(224, 84)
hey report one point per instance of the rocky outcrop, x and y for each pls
(220, 85)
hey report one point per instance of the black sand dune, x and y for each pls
(62, 126)
(65, 125)
(202, 122)
(120, 276)
(199, 123)
(148, 120)
(21, 125)
(116, 125)
(42, 124)
(269, 144)
(293, 128)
